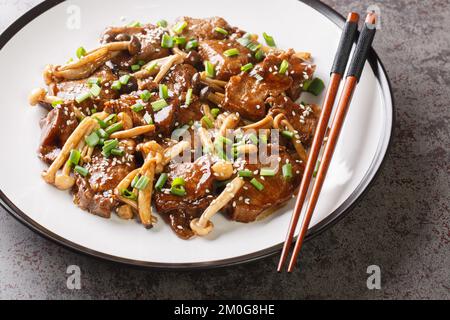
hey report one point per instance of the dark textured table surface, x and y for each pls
(402, 225)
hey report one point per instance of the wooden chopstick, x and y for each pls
(337, 72)
(352, 78)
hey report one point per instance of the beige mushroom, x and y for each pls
(280, 122)
(71, 143)
(172, 61)
(216, 98)
(223, 170)
(203, 226)
(230, 122)
(133, 133)
(125, 212)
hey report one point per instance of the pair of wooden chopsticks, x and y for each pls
(353, 75)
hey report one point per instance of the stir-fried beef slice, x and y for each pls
(226, 67)
(204, 29)
(299, 71)
(179, 78)
(147, 41)
(303, 118)
(95, 193)
(56, 129)
(199, 186)
(250, 203)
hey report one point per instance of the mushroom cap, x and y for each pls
(199, 230)
(64, 182)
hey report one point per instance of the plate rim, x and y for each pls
(385, 85)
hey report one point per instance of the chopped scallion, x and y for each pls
(159, 105)
(315, 86)
(83, 97)
(247, 67)
(181, 41)
(134, 24)
(260, 55)
(208, 122)
(95, 90)
(192, 44)
(137, 107)
(135, 67)
(74, 157)
(118, 152)
(221, 30)
(152, 66)
(92, 140)
(179, 191)
(189, 97)
(161, 181)
(124, 79)
(210, 69)
(81, 52)
(288, 134)
(162, 23)
(57, 103)
(245, 174)
(215, 112)
(114, 128)
(81, 170)
(167, 41)
(145, 95)
(142, 183)
(163, 91)
(102, 134)
(258, 185)
(179, 27)
(231, 52)
(128, 194)
(267, 172)
(287, 170)
(148, 118)
(178, 182)
(269, 40)
(116, 85)
(284, 67)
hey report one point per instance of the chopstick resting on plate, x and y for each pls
(353, 75)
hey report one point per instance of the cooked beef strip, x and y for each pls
(199, 186)
(303, 118)
(148, 37)
(226, 67)
(247, 95)
(179, 78)
(203, 29)
(57, 127)
(95, 193)
(250, 203)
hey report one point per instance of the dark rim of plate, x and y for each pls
(339, 213)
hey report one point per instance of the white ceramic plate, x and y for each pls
(46, 34)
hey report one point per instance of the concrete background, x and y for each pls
(402, 225)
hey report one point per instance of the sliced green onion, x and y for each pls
(145, 95)
(81, 170)
(112, 118)
(284, 67)
(315, 86)
(57, 103)
(152, 66)
(83, 97)
(161, 181)
(159, 105)
(224, 140)
(192, 44)
(267, 172)
(231, 52)
(178, 182)
(245, 174)
(180, 40)
(167, 41)
(254, 46)
(210, 69)
(189, 97)
(108, 146)
(128, 194)
(269, 40)
(180, 191)
(135, 67)
(81, 52)
(244, 41)
(92, 140)
(288, 134)
(92, 81)
(162, 23)
(148, 118)
(163, 91)
(138, 107)
(135, 180)
(316, 170)
(124, 79)
(258, 185)
(179, 27)
(118, 152)
(263, 139)
(287, 170)
(116, 85)
(114, 128)
(95, 90)
(142, 183)
(221, 30)
(215, 112)
(93, 111)
(74, 157)
(247, 67)
(260, 55)
(102, 134)
(220, 151)
(206, 120)
(102, 123)
(134, 24)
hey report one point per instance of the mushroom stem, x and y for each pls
(230, 122)
(174, 151)
(281, 121)
(206, 140)
(216, 98)
(133, 133)
(203, 226)
(174, 60)
(71, 143)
